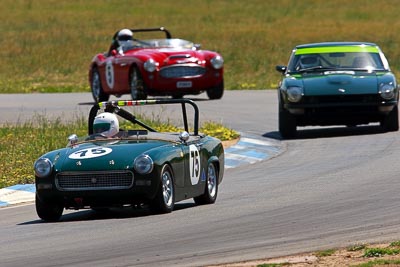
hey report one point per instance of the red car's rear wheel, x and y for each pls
(97, 88)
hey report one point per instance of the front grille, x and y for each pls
(79, 181)
(182, 71)
(342, 99)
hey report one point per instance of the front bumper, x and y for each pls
(329, 110)
(77, 191)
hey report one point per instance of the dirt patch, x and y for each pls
(340, 258)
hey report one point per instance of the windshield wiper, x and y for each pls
(316, 68)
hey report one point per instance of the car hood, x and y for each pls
(103, 155)
(335, 82)
(168, 56)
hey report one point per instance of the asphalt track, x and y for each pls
(331, 187)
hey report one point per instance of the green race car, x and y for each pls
(337, 83)
(139, 166)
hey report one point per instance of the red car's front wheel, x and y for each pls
(137, 86)
(216, 92)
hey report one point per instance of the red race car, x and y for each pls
(155, 67)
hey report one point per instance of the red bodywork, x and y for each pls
(196, 73)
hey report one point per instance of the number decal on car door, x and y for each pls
(110, 74)
(194, 164)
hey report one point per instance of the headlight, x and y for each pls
(387, 91)
(294, 94)
(43, 167)
(150, 65)
(217, 62)
(143, 164)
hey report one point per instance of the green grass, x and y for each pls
(22, 144)
(379, 252)
(47, 45)
(378, 262)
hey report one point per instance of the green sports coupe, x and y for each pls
(136, 166)
(337, 83)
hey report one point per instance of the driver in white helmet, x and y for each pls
(125, 37)
(122, 41)
(106, 124)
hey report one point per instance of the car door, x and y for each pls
(194, 168)
(120, 66)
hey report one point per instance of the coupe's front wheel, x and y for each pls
(391, 122)
(211, 189)
(137, 86)
(97, 88)
(165, 198)
(287, 124)
(48, 211)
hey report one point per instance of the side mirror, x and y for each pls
(184, 136)
(281, 69)
(72, 140)
(114, 52)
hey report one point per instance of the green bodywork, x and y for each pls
(352, 82)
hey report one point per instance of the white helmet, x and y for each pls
(106, 124)
(125, 37)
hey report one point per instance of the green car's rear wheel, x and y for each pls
(211, 189)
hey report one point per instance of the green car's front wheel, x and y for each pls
(48, 211)
(165, 198)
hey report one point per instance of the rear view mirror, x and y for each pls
(336, 55)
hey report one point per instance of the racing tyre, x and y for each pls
(97, 88)
(287, 124)
(211, 189)
(391, 122)
(216, 92)
(136, 85)
(165, 198)
(48, 211)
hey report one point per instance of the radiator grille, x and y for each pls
(182, 71)
(342, 99)
(79, 181)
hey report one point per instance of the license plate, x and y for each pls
(184, 84)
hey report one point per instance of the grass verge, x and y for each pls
(48, 45)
